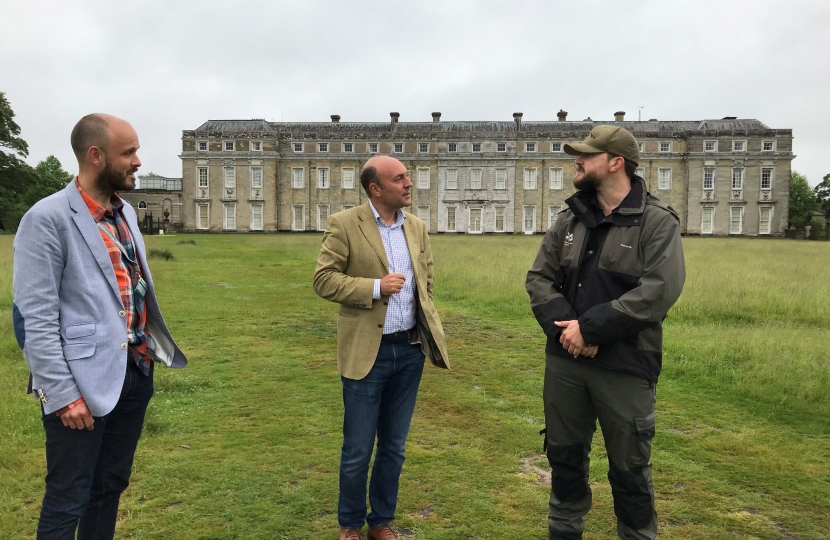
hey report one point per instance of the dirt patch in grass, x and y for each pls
(531, 466)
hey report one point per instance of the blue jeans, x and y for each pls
(86, 471)
(380, 404)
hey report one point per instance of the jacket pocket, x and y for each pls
(79, 330)
(78, 351)
(640, 450)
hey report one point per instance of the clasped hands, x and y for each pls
(571, 339)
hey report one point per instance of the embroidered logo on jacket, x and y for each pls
(569, 239)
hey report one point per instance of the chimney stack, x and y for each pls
(619, 116)
(436, 117)
(335, 118)
(562, 115)
(517, 117)
(395, 116)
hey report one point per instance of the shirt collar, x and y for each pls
(98, 212)
(399, 219)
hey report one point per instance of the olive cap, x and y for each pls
(612, 139)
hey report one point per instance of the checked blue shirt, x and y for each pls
(400, 315)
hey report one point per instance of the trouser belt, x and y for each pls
(398, 337)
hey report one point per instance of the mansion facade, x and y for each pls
(723, 177)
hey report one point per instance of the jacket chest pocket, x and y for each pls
(621, 252)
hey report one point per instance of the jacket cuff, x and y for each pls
(603, 325)
(557, 309)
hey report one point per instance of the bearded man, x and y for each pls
(606, 275)
(86, 316)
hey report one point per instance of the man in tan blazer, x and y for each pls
(376, 262)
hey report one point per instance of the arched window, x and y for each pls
(142, 204)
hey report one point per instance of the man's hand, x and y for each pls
(571, 337)
(77, 417)
(391, 284)
(590, 351)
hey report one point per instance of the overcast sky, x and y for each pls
(167, 66)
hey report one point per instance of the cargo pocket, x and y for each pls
(640, 449)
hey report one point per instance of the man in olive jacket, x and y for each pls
(604, 278)
(376, 262)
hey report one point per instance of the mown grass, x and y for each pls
(244, 442)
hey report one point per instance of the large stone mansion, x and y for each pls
(724, 177)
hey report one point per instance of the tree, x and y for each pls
(51, 178)
(16, 177)
(822, 192)
(802, 201)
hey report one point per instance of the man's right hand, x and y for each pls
(391, 284)
(77, 417)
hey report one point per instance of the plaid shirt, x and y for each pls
(127, 274)
(400, 315)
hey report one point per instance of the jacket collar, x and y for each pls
(627, 214)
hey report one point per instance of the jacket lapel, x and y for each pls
(138, 243)
(369, 228)
(412, 244)
(92, 236)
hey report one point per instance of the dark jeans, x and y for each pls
(88, 470)
(380, 404)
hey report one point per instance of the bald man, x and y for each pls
(87, 319)
(376, 262)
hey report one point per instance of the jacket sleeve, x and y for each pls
(664, 272)
(544, 285)
(330, 281)
(38, 270)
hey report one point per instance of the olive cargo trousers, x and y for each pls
(576, 395)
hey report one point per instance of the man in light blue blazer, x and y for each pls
(89, 324)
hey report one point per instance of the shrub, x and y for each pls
(165, 254)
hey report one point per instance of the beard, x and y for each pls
(110, 180)
(588, 182)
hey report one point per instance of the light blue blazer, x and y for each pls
(69, 318)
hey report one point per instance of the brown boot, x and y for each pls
(384, 532)
(350, 533)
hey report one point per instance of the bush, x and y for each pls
(165, 254)
(191, 242)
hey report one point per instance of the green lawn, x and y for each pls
(244, 442)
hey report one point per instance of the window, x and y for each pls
(499, 225)
(323, 147)
(768, 146)
(347, 206)
(501, 147)
(256, 177)
(452, 178)
(322, 216)
(298, 177)
(398, 148)
(556, 147)
(298, 147)
(475, 178)
(664, 179)
(530, 178)
(707, 220)
(766, 220)
(228, 146)
(476, 147)
(736, 218)
(323, 178)
(452, 147)
(553, 213)
(475, 221)
(451, 219)
(665, 147)
(256, 146)
(202, 216)
(557, 175)
(347, 177)
(298, 217)
(202, 174)
(501, 178)
(256, 217)
(766, 178)
(202, 146)
(738, 146)
(423, 178)
(423, 215)
(529, 221)
(641, 172)
(142, 204)
(710, 146)
(373, 148)
(230, 217)
(530, 147)
(641, 146)
(423, 148)
(708, 179)
(737, 178)
(230, 177)
(348, 148)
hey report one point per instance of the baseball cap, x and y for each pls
(612, 139)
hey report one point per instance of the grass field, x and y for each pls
(244, 442)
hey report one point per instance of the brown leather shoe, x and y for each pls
(350, 533)
(384, 532)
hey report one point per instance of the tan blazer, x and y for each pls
(351, 258)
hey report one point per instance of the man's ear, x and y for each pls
(618, 163)
(95, 156)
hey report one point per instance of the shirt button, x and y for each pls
(591, 252)
(580, 285)
(123, 346)
(122, 313)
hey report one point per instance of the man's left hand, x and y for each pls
(571, 337)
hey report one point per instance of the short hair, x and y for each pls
(368, 176)
(630, 167)
(91, 130)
